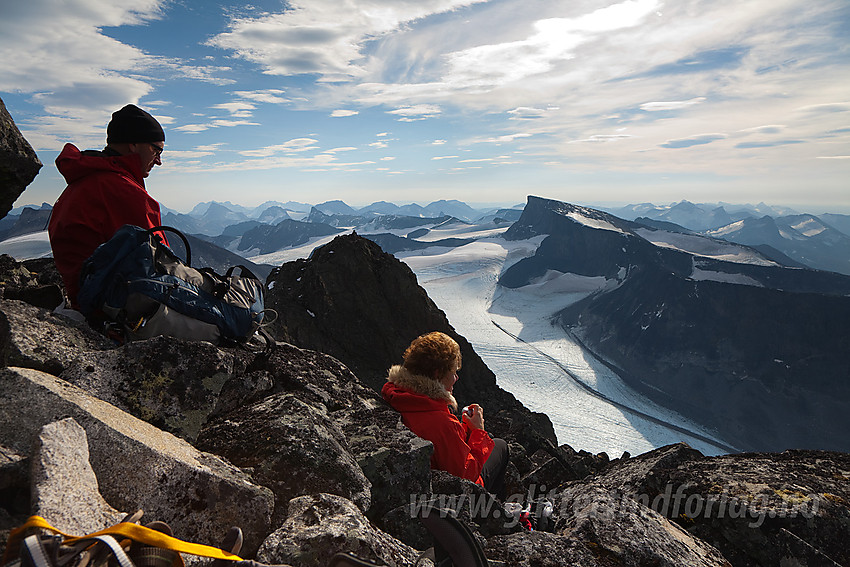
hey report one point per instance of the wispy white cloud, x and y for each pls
(554, 41)
(827, 108)
(671, 105)
(325, 37)
(527, 113)
(766, 129)
(444, 157)
(416, 112)
(603, 138)
(216, 123)
(505, 139)
(342, 113)
(269, 96)
(193, 128)
(237, 109)
(291, 146)
(698, 140)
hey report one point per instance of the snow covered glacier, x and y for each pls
(590, 406)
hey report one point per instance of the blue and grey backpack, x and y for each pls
(136, 281)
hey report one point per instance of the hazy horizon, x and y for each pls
(798, 208)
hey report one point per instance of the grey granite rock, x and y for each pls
(291, 446)
(137, 465)
(64, 487)
(170, 383)
(320, 525)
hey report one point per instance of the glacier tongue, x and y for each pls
(537, 365)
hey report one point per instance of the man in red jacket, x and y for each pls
(421, 389)
(106, 190)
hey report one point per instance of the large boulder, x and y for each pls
(321, 525)
(615, 526)
(137, 465)
(64, 487)
(174, 388)
(530, 549)
(329, 397)
(756, 508)
(18, 163)
(292, 447)
(32, 337)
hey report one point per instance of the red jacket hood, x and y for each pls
(404, 400)
(74, 164)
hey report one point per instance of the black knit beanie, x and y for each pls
(131, 124)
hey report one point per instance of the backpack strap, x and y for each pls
(134, 532)
(38, 554)
(246, 273)
(178, 233)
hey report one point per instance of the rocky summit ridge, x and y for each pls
(297, 448)
(302, 453)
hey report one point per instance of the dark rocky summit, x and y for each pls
(18, 163)
(764, 364)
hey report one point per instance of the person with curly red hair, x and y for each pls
(421, 390)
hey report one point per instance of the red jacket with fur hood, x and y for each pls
(424, 405)
(104, 193)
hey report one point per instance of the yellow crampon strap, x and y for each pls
(134, 532)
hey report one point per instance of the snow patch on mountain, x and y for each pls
(707, 247)
(592, 222)
(726, 230)
(809, 227)
(709, 275)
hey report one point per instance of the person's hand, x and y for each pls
(476, 420)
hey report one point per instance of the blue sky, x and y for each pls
(486, 101)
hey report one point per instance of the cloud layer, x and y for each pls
(747, 93)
